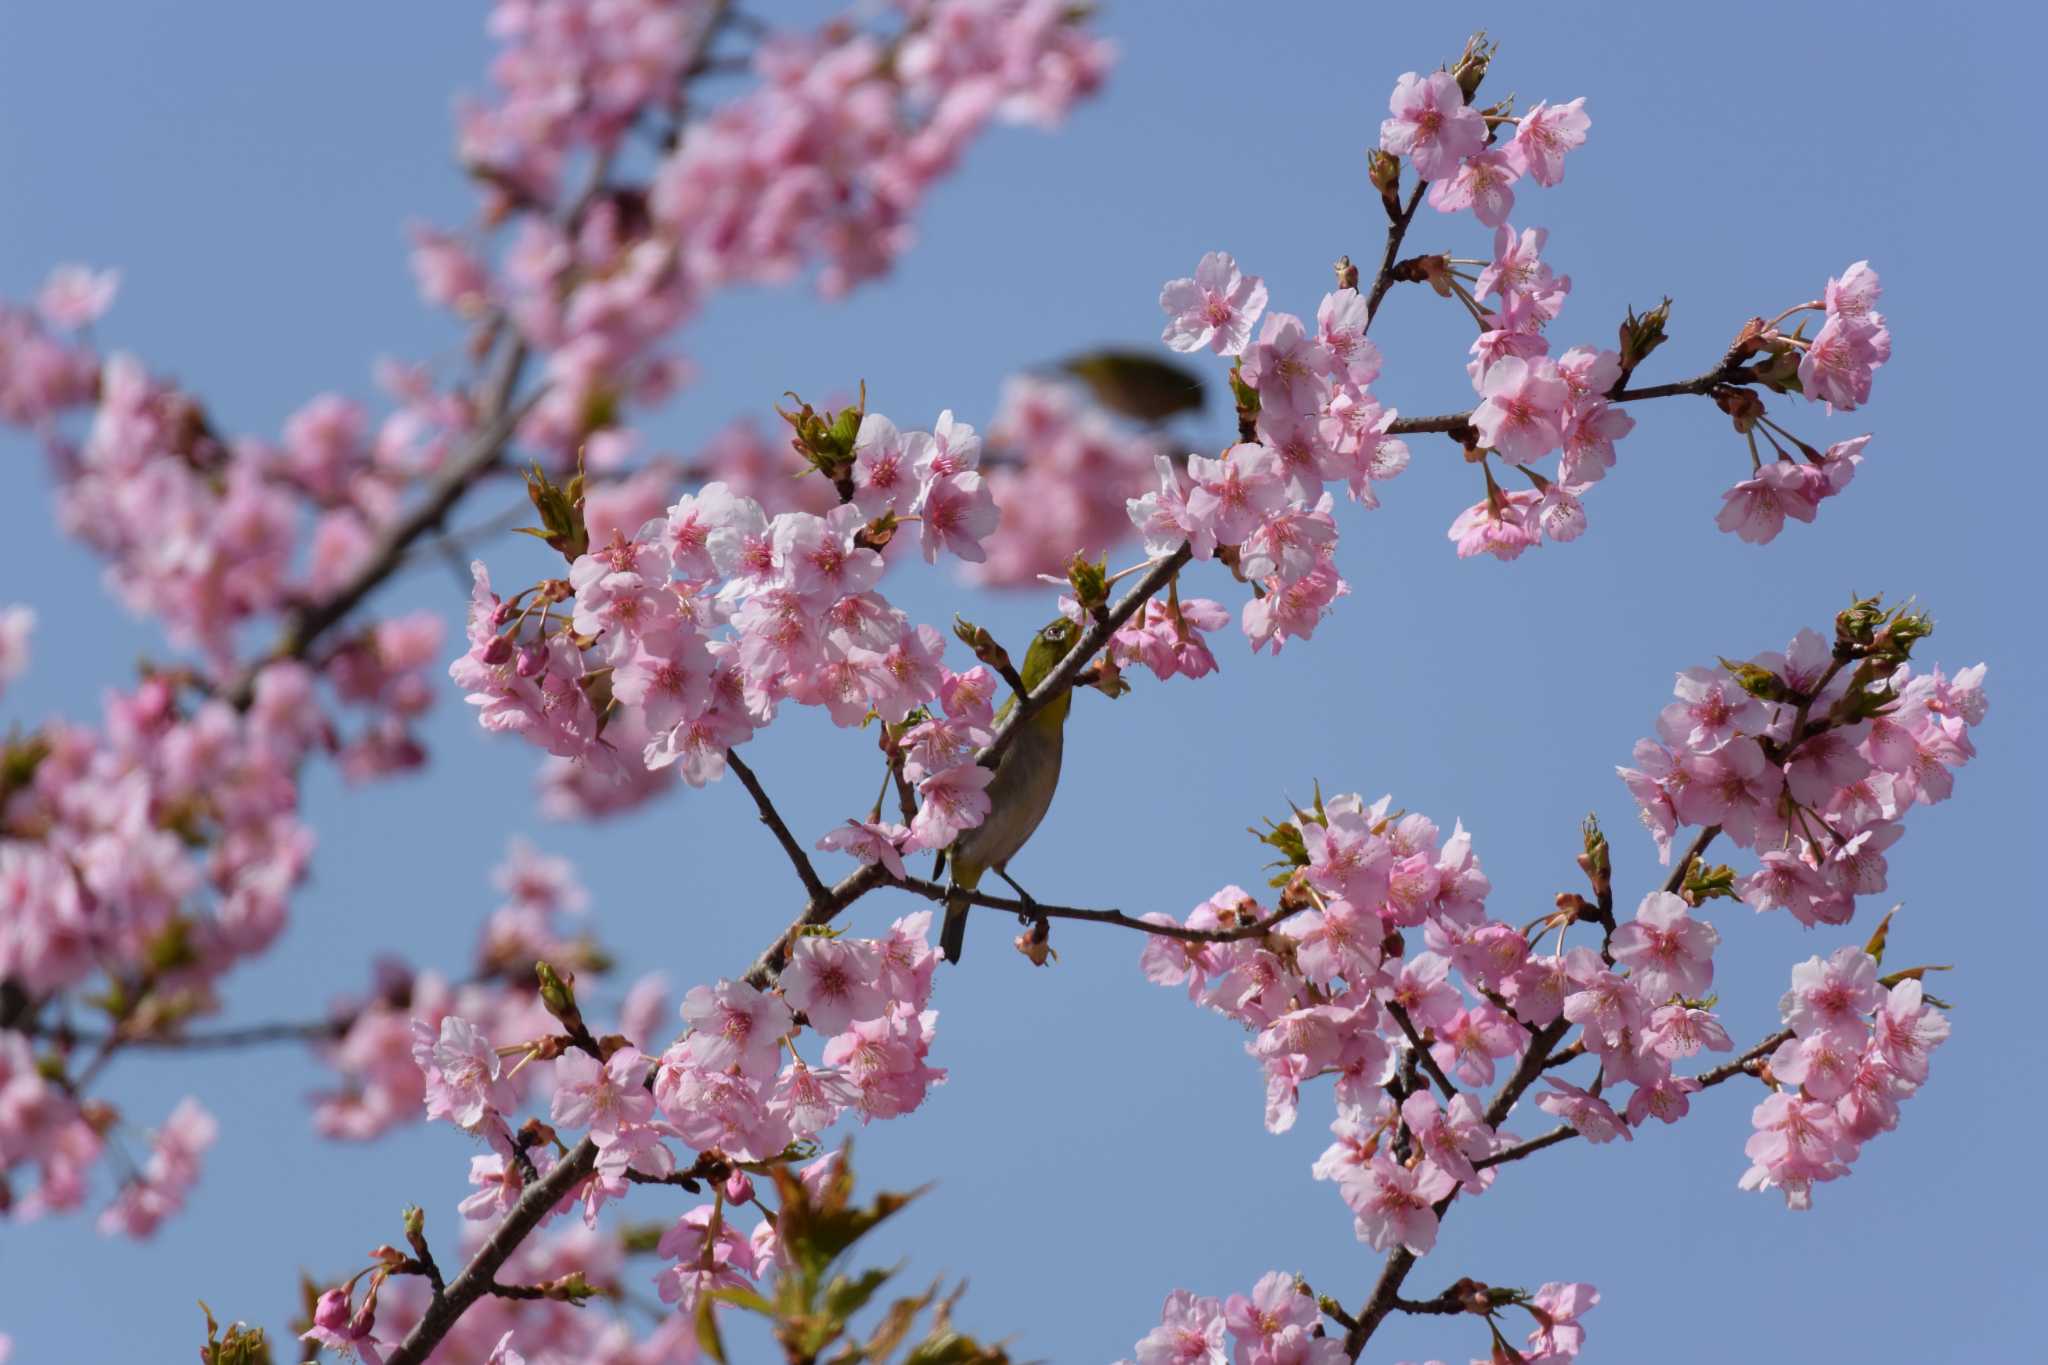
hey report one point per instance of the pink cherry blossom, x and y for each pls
(732, 1024)
(870, 841)
(1521, 409)
(950, 801)
(1216, 309)
(1592, 1116)
(1483, 183)
(1233, 495)
(1666, 950)
(834, 982)
(77, 296)
(1191, 1331)
(1287, 366)
(1393, 1203)
(1544, 134)
(957, 513)
(1431, 125)
(602, 1097)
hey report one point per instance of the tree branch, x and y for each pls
(479, 1277)
(1422, 1054)
(932, 891)
(1061, 679)
(814, 887)
(248, 1035)
(1450, 422)
(1396, 230)
(306, 624)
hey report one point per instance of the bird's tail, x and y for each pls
(954, 931)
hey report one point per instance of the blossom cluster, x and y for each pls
(1278, 1323)
(1380, 968)
(1810, 758)
(151, 854)
(378, 1085)
(704, 621)
(1529, 405)
(824, 159)
(1834, 368)
(1859, 1046)
(1262, 506)
(722, 1090)
(146, 858)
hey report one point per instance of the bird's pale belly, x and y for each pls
(1019, 795)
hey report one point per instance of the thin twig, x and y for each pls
(814, 887)
(934, 892)
(479, 1277)
(1422, 1053)
(1396, 230)
(1450, 422)
(1061, 679)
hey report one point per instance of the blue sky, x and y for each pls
(249, 165)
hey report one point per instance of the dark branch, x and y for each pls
(814, 887)
(1450, 423)
(932, 891)
(479, 1277)
(251, 1035)
(1436, 1073)
(1092, 640)
(1396, 230)
(306, 624)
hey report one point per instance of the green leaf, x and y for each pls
(1875, 947)
(844, 1297)
(896, 1324)
(708, 1338)
(740, 1297)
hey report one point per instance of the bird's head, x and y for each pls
(1048, 646)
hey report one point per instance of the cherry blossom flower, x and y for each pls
(1592, 1116)
(1544, 133)
(870, 841)
(1521, 409)
(733, 1024)
(464, 1075)
(1667, 951)
(1392, 1203)
(1216, 309)
(834, 981)
(1191, 1331)
(77, 296)
(603, 1097)
(1431, 124)
(1483, 183)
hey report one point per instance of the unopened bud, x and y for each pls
(1641, 335)
(1743, 406)
(533, 661)
(1472, 1296)
(1472, 64)
(558, 994)
(983, 645)
(1090, 581)
(1347, 273)
(738, 1189)
(1384, 170)
(498, 652)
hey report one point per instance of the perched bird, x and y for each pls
(1027, 774)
